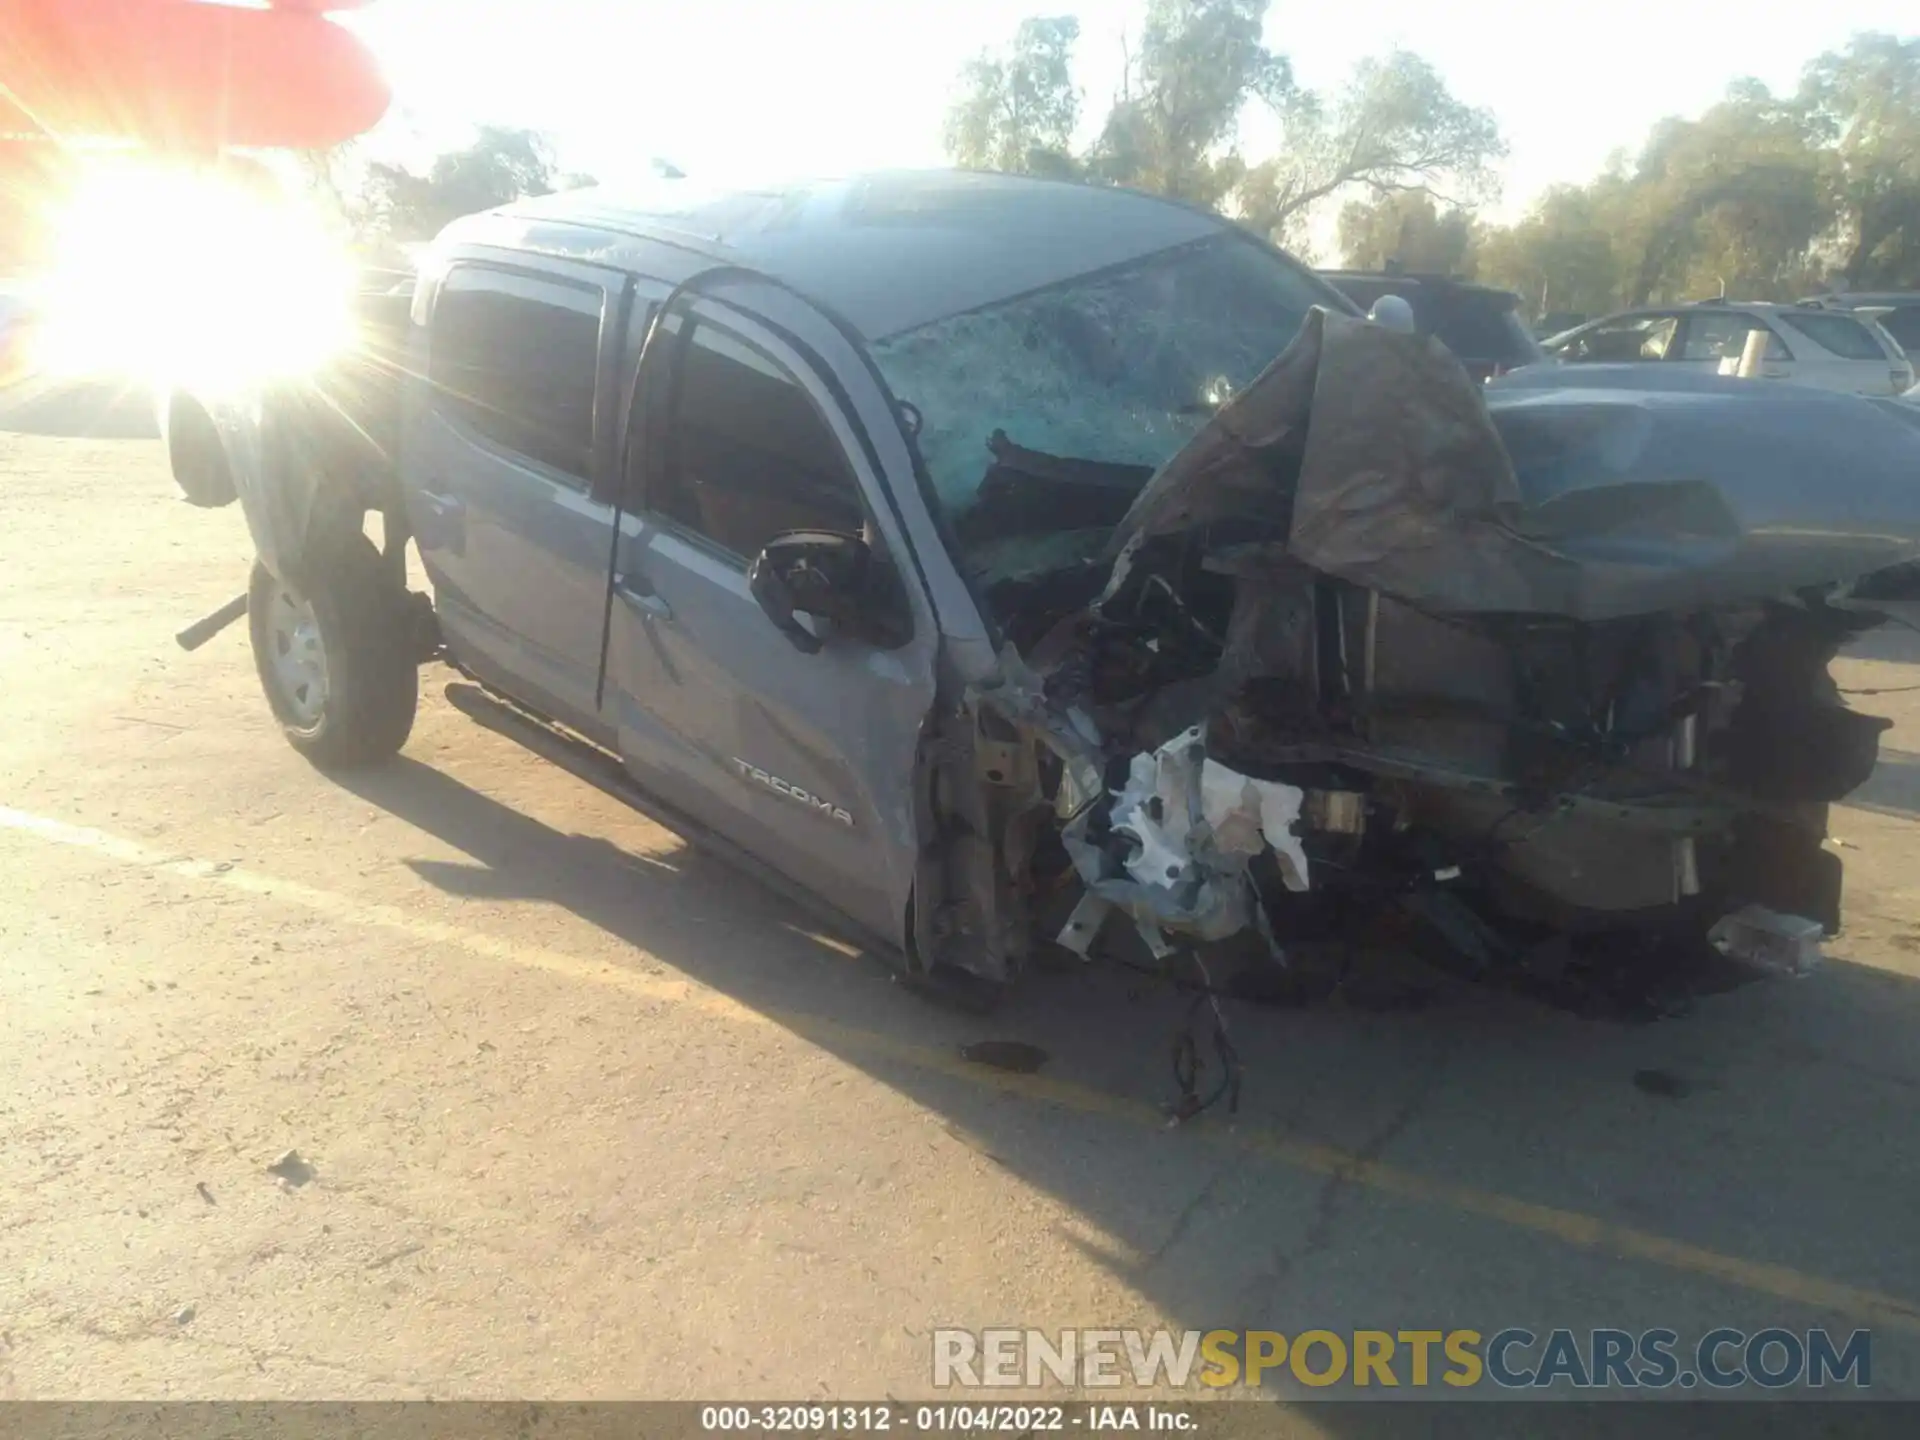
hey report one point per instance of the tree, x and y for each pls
(1561, 256)
(1862, 105)
(1406, 227)
(1731, 203)
(1018, 110)
(1730, 200)
(1175, 126)
(500, 165)
(1171, 128)
(1395, 127)
(1762, 197)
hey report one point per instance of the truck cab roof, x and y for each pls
(886, 251)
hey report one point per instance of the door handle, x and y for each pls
(643, 597)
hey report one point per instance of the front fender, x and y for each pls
(247, 447)
(283, 448)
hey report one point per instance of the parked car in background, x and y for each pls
(1554, 322)
(1478, 324)
(1808, 345)
(1896, 311)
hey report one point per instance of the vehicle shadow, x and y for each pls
(1895, 643)
(1772, 1124)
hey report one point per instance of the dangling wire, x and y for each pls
(1187, 1063)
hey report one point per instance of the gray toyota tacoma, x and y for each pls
(1006, 564)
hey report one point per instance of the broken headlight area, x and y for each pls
(1499, 781)
(1378, 649)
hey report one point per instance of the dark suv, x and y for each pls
(1480, 325)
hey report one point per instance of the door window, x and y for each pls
(741, 453)
(1903, 325)
(1840, 335)
(514, 358)
(1629, 338)
(1723, 336)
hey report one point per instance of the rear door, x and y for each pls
(503, 452)
(1835, 351)
(1902, 322)
(805, 760)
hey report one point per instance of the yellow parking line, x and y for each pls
(1585, 1232)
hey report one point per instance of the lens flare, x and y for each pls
(171, 276)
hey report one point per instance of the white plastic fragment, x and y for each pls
(1175, 791)
(1252, 811)
(1785, 944)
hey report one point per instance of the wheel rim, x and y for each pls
(297, 655)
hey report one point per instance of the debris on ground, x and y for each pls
(292, 1169)
(1014, 1056)
(1663, 1083)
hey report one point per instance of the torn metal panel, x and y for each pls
(329, 440)
(1535, 655)
(1372, 456)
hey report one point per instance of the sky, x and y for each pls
(752, 90)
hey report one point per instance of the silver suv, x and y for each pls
(1807, 345)
(1896, 311)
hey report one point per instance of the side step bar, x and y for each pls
(602, 769)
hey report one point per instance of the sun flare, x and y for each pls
(172, 276)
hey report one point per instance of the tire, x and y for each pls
(337, 666)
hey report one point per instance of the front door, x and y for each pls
(502, 455)
(1714, 339)
(805, 760)
(1623, 339)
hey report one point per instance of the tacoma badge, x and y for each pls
(792, 792)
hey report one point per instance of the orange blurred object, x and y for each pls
(186, 75)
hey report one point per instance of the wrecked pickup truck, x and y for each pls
(1006, 564)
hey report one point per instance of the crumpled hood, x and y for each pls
(1372, 456)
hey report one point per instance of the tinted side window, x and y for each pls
(1480, 327)
(1628, 338)
(745, 455)
(515, 358)
(1840, 335)
(1723, 336)
(1904, 325)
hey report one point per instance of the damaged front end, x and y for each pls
(1528, 667)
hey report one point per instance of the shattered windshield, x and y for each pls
(1120, 366)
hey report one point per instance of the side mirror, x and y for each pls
(832, 577)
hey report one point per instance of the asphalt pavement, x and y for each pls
(460, 1079)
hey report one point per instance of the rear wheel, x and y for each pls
(335, 659)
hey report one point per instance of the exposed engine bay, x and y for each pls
(1521, 666)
